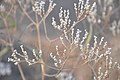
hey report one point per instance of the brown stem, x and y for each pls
(38, 32)
(39, 45)
(43, 69)
(46, 34)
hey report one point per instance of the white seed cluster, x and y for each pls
(65, 22)
(96, 53)
(82, 9)
(82, 43)
(57, 58)
(73, 37)
(90, 53)
(67, 28)
(23, 57)
(77, 37)
(93, 53)
(104, 73)
(39, 7)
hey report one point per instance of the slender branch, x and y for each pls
(24, 11)
(66, 31)
(46, 34)
(38, 31)
(39, 45)
(8, 13)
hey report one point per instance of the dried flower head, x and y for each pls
(23, 57)
(39, 8)
(82, 9)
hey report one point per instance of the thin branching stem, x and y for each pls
(24, 11)
(39, 45)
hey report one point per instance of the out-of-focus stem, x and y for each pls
(11, 46)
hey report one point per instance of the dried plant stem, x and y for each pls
(43, 69)
(9, 11)
(11, 46)
(38, 32)
(21, 72)
(24, 11)
(93, 71)
(39, 45)
(67, 30)
(7, 31)
(46, 35)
